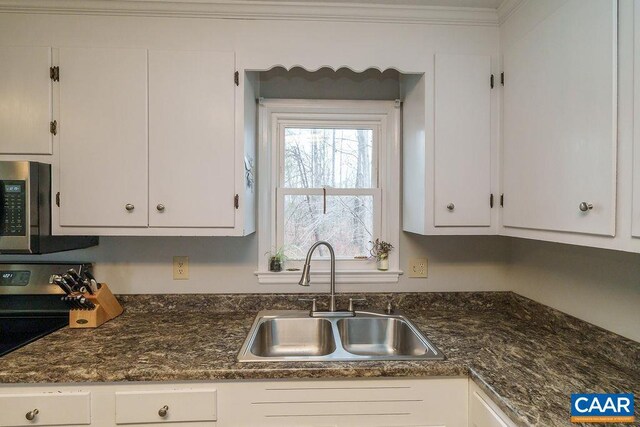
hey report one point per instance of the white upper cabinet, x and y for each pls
(560, 117)
(449, 149)
(147, 143)
(25, 100)
(191, 139)
(462, 141)
(103, 137)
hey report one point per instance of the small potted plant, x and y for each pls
(276, 260)
(380, 251)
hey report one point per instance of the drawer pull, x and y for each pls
(31, 415)
(163, 411)
(585, 206)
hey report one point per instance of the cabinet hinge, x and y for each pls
(491, 81)
(236, 201)
(54, 73)
(58, 199)
(502, 78)
(502, 200)
(53, 127)
(236, 78)
(491, 200)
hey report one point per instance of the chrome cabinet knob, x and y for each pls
(163, 411)
(160, 207)
(129, 207)
(451, 207)
(31, 415)
(584, 206)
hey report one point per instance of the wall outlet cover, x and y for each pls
(418, 267)
(180, 268)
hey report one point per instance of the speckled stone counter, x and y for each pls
(527, 357)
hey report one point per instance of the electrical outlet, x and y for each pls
(180, 268)
(418, 267)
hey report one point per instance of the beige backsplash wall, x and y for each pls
(596, 285)
(227, 264)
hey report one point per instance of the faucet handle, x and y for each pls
(314, 306)
(352, 300)
(389, 309)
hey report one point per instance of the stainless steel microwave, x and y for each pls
(25, 211)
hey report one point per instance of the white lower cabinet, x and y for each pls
(47, 407)
(438, 402)
(166, 406)
(483, 412)
(429, 402)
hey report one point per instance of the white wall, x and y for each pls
(227, 264)
(596, 285)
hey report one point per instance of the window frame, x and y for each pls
(381, 116)
(335, 121)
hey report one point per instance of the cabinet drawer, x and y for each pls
(176, 406)
(49, 409)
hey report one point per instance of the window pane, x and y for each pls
(347, 225)
(338, 158)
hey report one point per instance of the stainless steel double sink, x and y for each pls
(278, 336)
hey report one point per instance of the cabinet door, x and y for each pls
(103, 137)
(191, 139)
(635, 220)
(560, 119)
(25, 100)
(462, 140)
(483, 412)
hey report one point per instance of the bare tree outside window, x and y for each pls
(326, 169)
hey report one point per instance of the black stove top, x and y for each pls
(30, 306)
(26, 318)
(16, 332)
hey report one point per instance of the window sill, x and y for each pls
(322, 276)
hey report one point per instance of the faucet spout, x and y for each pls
(305, 280)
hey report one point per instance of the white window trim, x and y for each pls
(386, 115)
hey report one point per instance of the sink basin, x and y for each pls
(372, 336)
(286, 337)
(295, 336)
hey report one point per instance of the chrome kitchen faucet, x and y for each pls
(305, 280)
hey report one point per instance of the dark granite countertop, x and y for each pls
(526, 356)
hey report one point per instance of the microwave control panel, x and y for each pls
(13, 214)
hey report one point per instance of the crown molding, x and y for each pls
(264, 10)
(507, 8)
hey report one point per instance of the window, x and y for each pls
(328, 189)
(329, 170)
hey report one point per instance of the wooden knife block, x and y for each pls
(107, 308)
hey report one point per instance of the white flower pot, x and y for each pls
(383, 264)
